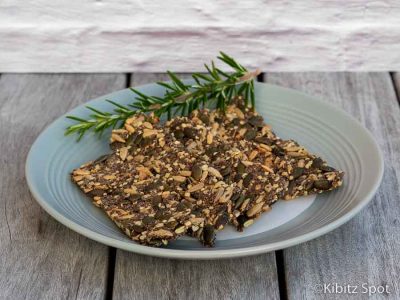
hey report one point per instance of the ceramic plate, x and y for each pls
(323, 129)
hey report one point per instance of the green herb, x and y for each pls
(179, 98)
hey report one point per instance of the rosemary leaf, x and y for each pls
(216, 86)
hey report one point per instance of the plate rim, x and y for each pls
(213, 253)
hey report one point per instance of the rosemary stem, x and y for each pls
(216, 85)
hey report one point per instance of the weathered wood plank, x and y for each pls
(141, 277)
(367, 248)
(40, 258)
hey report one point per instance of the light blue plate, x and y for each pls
(320, 127)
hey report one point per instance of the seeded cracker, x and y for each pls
(193, 175)
(156, 185)
(292, 170)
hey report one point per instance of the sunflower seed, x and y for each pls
(179, 178)
(255, 209)
(180, 229)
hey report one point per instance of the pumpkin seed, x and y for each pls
(101, 159)
(131, 138)
(152, 186)
(250, 134)
(256, 121)
(235, 197)
(197, 172)
(205, 119)
(190, 132)
(187, 204)
(156, 242)
(264, 140)
(308, 185)
(146, 141)
(226, 171)
(138, 139)
(278, 151)
(317, 163)
(237, 178)
(181, 207)
(96, 192)
(162, 214)
(241, 168)
(322, 184)
(221, 221)
(326, 169)
(155, 200)
(197, 212)
(134, 197)
(247, 180)
(240, 201)
(179, 134)
(138, 228)
(208, 235)
(236, 121)
(241, 220)
(291, 186)
(171, 224)
(297, 172)
(147, 220)
(211, 151)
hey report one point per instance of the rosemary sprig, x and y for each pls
(179, 98)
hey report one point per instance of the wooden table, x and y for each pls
(42, 259)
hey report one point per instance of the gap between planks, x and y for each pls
(395, 77)
(365, 249)
(135, 276)
(279, 257)
(112, 253)
(41, 259)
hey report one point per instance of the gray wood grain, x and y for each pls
(40, 258)
(367, 248)
(141, 277)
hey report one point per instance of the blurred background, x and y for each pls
(152, 36)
